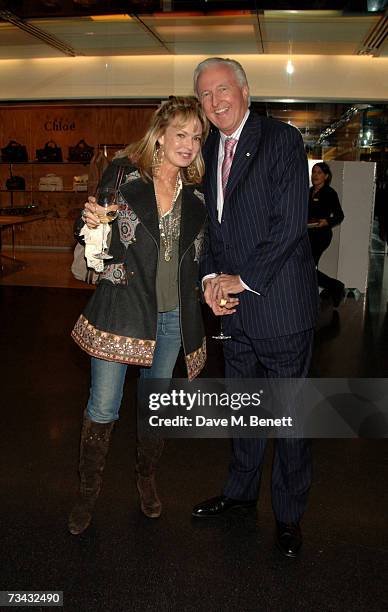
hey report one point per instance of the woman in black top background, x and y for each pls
(325, 212)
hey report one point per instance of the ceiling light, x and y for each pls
(110, 17)
(280, 14)
(376, 5)
(290, 67)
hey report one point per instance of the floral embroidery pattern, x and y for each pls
(127, 223)
(112, 347)
(198, 245)
(127, 220)
(199, 195)
(115, 273)
(196, 360)
(132, 176)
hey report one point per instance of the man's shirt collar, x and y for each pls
(237, 133)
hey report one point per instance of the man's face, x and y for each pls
(223, 99)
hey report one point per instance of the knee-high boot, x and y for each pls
(149, 450)
(95, 438)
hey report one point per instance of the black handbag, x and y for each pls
(81, 152)
(50, 152)
(14, 152)
(15, 183)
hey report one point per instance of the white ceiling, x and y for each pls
(242, 32)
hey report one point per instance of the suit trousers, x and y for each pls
(284, 357)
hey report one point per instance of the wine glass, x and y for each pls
(221, 335)
(106, 197)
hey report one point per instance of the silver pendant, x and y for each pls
(167, 257)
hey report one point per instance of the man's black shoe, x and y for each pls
(218, 505)
(288, 538)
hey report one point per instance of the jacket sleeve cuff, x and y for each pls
(213, 275)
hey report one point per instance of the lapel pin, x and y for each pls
(247, 154)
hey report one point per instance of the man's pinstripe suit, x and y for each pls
(262, 237)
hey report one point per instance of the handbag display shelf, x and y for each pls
(31, 185)
(59, 208)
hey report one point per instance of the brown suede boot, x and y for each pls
(95, 439)
(148, 455)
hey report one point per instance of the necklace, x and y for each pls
(169, 222)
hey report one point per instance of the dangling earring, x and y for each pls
(191, 171)
(157, 159)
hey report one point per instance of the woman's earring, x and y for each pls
(157, 159)
(191, 171)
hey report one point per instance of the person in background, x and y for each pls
(325, 212)
(147, 301)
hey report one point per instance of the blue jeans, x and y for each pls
(108, 377)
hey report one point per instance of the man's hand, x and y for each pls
(228, 284)
(220, 305)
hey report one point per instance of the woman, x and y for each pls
(324, 213)
(146, 304)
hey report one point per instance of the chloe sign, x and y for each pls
(59, 125)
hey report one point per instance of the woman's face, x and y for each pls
(318, 177)
(181, 143)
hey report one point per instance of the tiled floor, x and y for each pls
(125, 562)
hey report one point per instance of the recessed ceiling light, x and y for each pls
(122, 17)
(290, 67)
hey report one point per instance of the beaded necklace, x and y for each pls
(169, 223)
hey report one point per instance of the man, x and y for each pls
(258, 251)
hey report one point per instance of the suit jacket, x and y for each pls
(263, 232)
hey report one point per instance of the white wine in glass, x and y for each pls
(106, 197)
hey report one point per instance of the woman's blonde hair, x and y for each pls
(184, 109)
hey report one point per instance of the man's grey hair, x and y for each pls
(233, 64)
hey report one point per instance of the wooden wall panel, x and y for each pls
(34, 126)
(15, 125)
